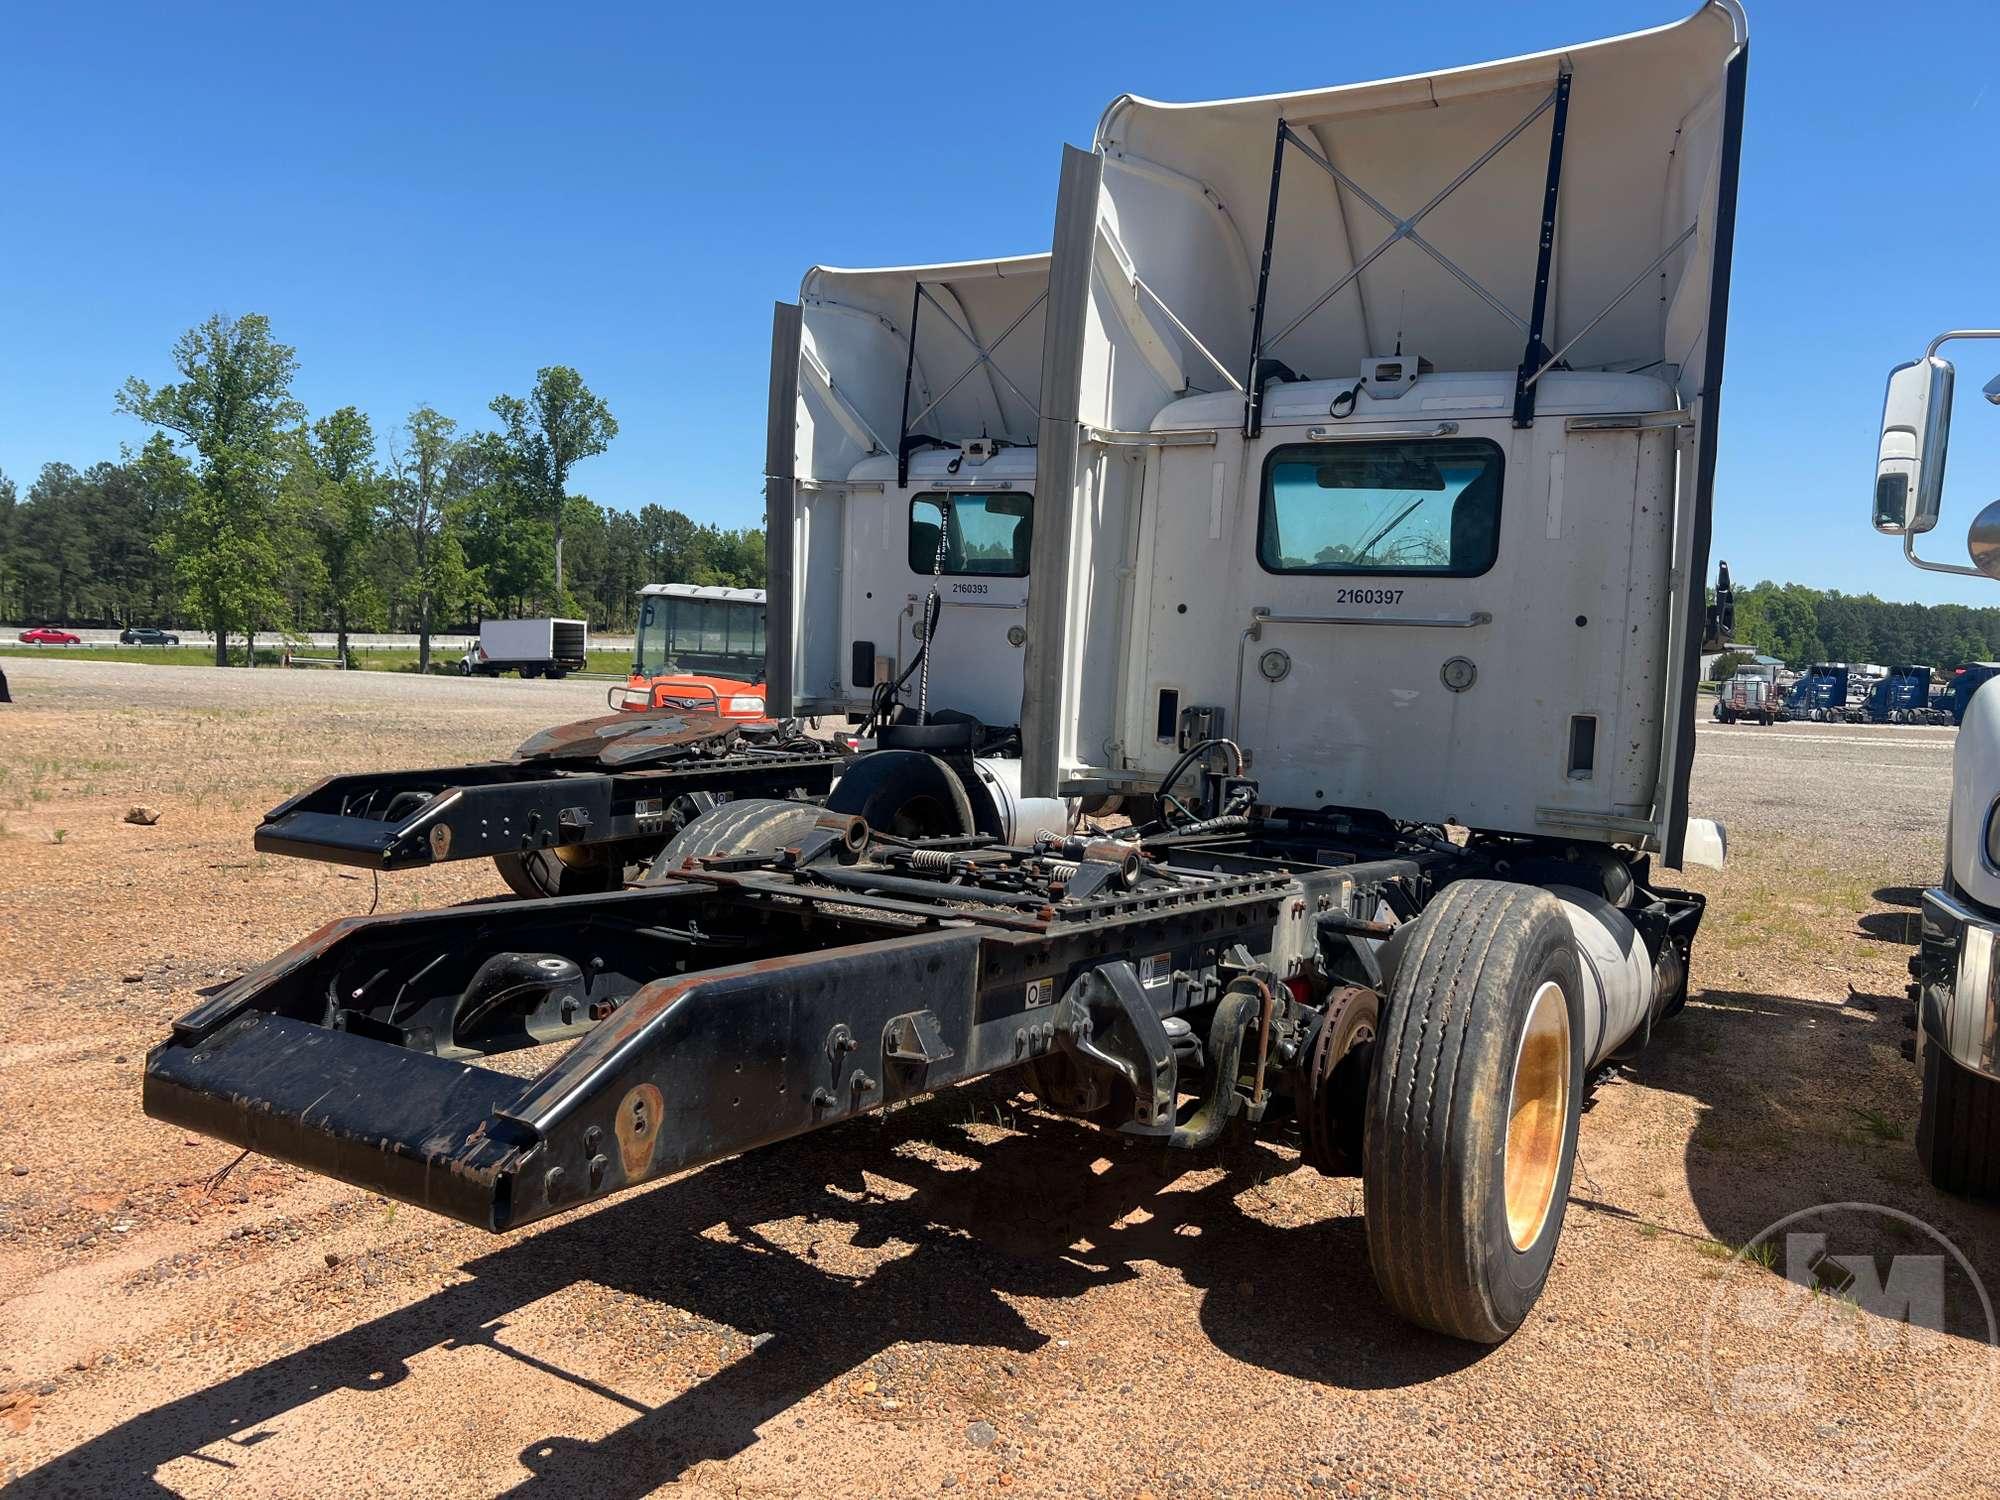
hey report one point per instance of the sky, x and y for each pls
(431, 202)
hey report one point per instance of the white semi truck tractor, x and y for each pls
(1373, 438)
(905, 416)
(1954, 972)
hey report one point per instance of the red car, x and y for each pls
(48, 635)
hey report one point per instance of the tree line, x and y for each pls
(242, 514)
(1801, 625)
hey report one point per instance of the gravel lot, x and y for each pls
(966, 1295)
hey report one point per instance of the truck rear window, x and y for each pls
(1403, 505)
(984, 535)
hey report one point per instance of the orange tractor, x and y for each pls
(699, 647)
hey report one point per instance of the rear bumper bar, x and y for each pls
(681, 1071)
(404, 1123)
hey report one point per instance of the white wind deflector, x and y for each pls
(976, 369)
(1187, 194)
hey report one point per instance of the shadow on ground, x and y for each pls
(1890, 926)
(1028, 1221)
(1803, 1103)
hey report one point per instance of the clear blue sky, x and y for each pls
(432, 201)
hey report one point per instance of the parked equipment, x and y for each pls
(911, 426)
(1956, 1003)
(534, 648)
(698, 646)
(1300, 618)
(1820, 695)
(1967, 680)
(1751, 694)
(1904, 697)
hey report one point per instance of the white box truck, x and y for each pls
(534, 648)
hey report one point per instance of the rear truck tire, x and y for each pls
(539, 874)
(1958, 1126)
(748, 825)
(1470, 1133)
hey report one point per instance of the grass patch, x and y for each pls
(1764, 1253)
(1876, 1125)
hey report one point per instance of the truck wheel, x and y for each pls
(1958, 1126)
(1472, 1112)
(746, 826)
(542, 873)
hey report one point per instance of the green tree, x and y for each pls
(52, 529)
(431, 475)
(561, 423)
(10, 553)
(341, 501)
(504, 539)
(231, 407)
(668, 537)
(166, 482)
(1729, 663)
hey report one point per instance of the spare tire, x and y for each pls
(749, 825)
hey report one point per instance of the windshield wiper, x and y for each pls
(1402, 516)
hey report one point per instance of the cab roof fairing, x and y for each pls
(703, 591)
(854, 352)
(1187, 187)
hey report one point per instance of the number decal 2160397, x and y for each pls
(1368, 596)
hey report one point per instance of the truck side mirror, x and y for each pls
(1982, 540)
(1909, 465)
